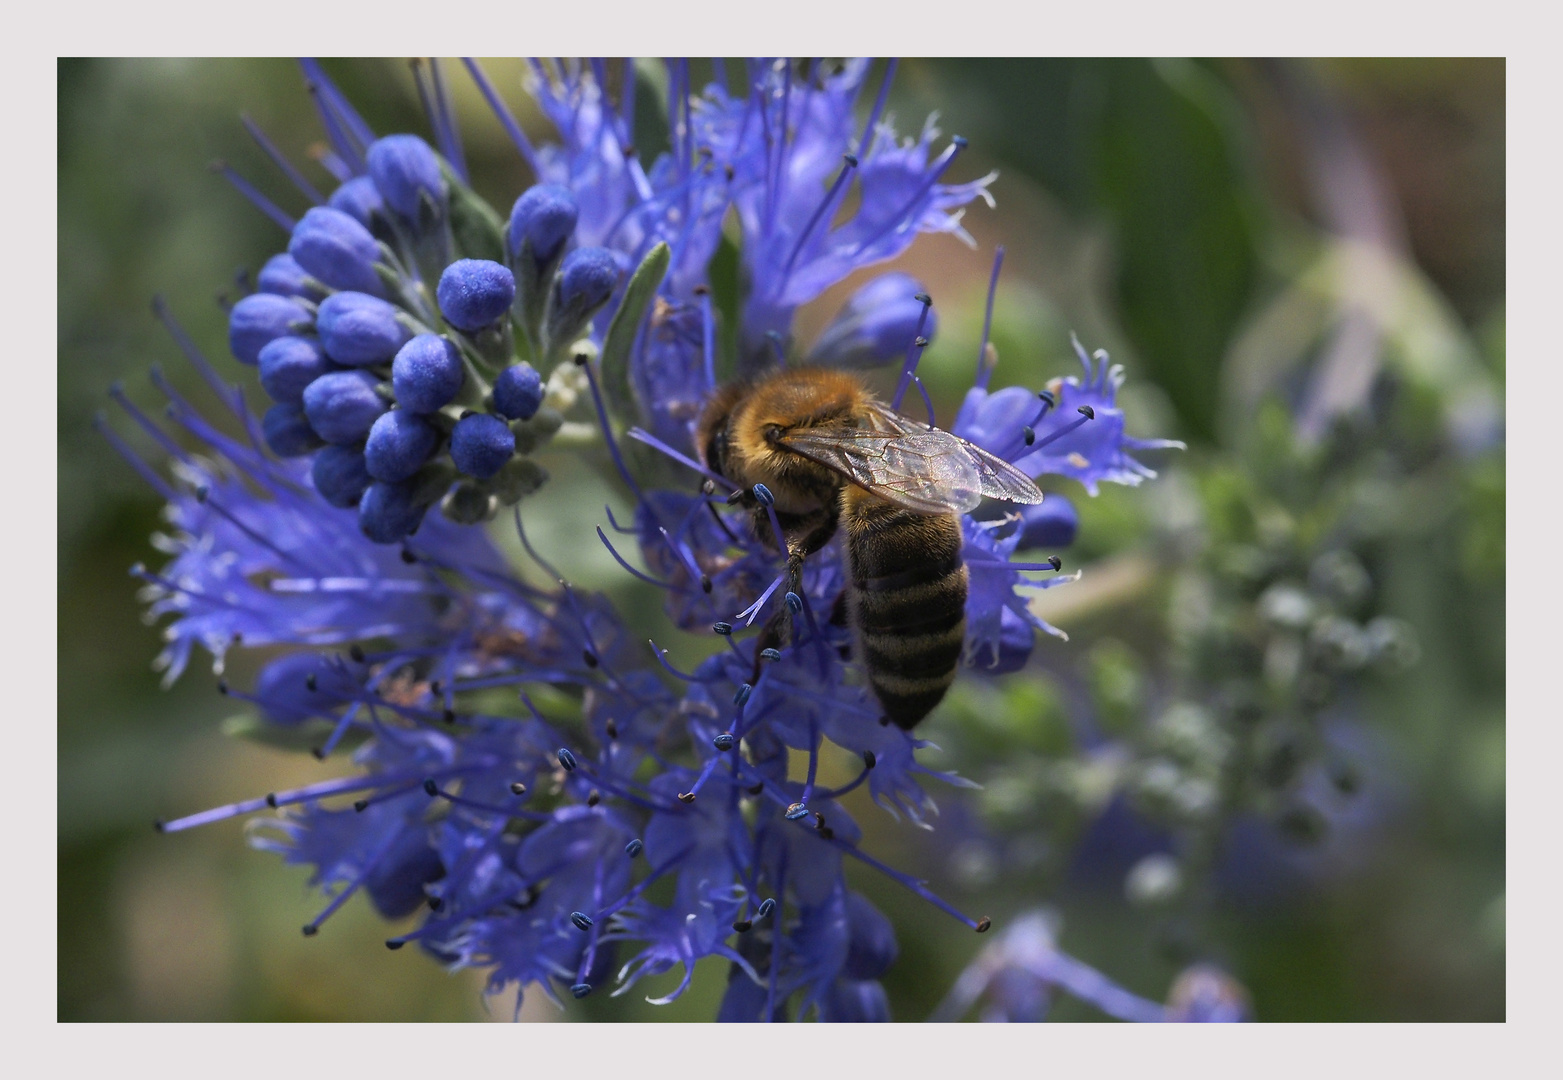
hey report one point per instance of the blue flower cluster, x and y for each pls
(564, 808)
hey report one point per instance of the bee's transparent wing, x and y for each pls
(921, 468)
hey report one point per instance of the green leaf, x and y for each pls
(615, 361)
(474, 226)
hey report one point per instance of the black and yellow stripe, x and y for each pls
(907, 601)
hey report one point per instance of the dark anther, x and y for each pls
(869, 760)
(743, 926)
(767, 906)
(435, 903)
(794, 602)
(593, 797)
(701, 290)
(735, 497)
(271, 799)
(1055, 562)
(566, 759)
(222, 687)
(920, 341)
(1087, 412)
(310, 929)
(319, 752)
(1030, 434)
(770, 654)
(634, 847)
(436, 687)
(763, 494)
(628, 150)
(361, 805)
(819, 821)
(922, 298)
(430, 788)
(708, 486)
(795, 811)
(408, 557)
(741, 698)
(394, 943)
(611, 728)
(723, 628)
(1047, 396)
(724, 741)
(686, 797)
(201, 493)
(518, 788)
(448, 715)
(589, 657)
(983, 924)
(758, 789)
(357, 653)
(310, 682)
(580, 990)
(958, 141)
(581, 920)
(580, 359)
(705, 583)
(850, 159)
(157, 825)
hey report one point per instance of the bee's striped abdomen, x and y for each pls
(907, 600)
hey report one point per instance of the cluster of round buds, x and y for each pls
(408, 334)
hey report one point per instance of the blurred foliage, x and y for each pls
(1226, 761)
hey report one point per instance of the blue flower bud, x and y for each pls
(300, 685)
(876, 325)
(283, 276)
(566, 759)
(399, 443)
(359, 198)
(427, 373)
(518, 392)
(481, 444)
(359, 330)
(475, 294)
(405, 170)
(395, 882)
(871, 947)
(261, 318)
(288, 432)
(545, 216)
(1051, 523)
(343, 405)
(586, 281)
(340, 475)
(336, 249)
(388, 512)
(289, 364)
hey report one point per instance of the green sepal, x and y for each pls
(309, 735)
(614, 364)
(519, 478)
(476, 229)
(469, 503)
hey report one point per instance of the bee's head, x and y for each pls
(711, 433)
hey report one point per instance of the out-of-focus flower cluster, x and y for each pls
(562, 806)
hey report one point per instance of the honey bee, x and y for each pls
(830, 452)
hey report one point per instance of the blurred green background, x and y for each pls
(1181, 214)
